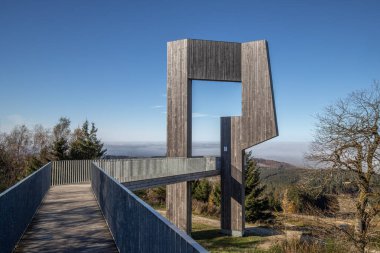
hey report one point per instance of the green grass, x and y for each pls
(211, 239)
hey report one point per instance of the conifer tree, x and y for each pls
(60, 149)
(86, 144)
(201, 190)
(215, 195)
(61, 134)
(256, 206)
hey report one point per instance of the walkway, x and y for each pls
(69, 220)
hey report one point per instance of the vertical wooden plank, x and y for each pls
(237, 177)
(225, 174)
(232, 177)
(178, 101)
(178, 130)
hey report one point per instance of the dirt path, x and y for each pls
(212, 223)
(270, 236)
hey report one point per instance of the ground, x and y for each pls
(289, 233)
(295, 231)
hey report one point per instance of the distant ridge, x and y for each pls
(265, 163)
(288, 152)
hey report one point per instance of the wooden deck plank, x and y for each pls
(69, 220)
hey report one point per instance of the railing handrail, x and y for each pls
(18, 205)
(131, 169)
(22, 180)
(178, 231)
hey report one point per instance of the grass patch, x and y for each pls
(213, 240)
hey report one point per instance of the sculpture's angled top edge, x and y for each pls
(251, 145)
(221, 41)
(256, 41)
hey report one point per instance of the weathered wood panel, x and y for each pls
(225, 174)
(186, 60)
(214, 60)
(232, 177)
(178, 101)
(220, 61)
(237, 178)
(178, 205)
(259, 115)
(179, 97)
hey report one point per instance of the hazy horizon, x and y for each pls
(290, 152)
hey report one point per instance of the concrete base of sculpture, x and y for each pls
(232, 233)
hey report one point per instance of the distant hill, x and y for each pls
(265, 163)
(281, 174)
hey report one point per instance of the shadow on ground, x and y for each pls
(214, 241)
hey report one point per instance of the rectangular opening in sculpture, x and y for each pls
(210, 101)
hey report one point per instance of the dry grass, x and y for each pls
(292, 246)
(291, 233)
(211, 238)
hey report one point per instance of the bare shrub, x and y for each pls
(348, 138)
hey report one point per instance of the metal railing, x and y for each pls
(136, 169)
(135, 226)
(129, 170)
(18, 205)
(71, 172)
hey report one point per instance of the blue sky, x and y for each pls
(105, 61)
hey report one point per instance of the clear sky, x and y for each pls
(105, 61)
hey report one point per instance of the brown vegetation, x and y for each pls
(348, 138)
(22, 151)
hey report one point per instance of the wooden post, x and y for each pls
(232, 177)
(178, 196)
